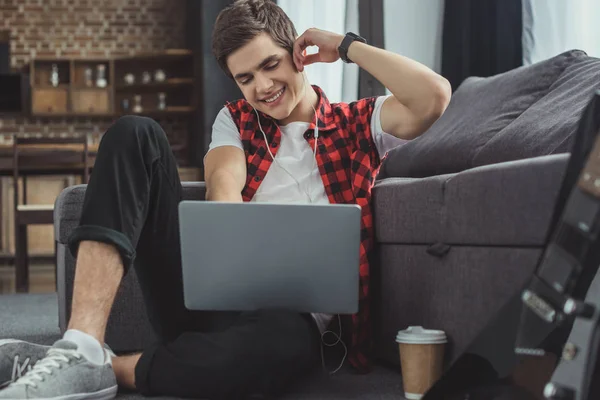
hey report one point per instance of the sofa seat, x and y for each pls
(34, 317)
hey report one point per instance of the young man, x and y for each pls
(129, 217)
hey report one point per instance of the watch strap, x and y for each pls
(348, 40)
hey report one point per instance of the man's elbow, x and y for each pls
(222, 185)
(442, 92)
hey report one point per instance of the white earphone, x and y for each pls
(310, 200)
(338, 337)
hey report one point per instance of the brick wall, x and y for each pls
(88, 28)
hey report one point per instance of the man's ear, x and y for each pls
(304, 54)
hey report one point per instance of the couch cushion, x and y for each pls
(548, 125)
(479, 109)
(458, 292)
(502, 205)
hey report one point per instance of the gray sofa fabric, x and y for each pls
(506, 204)
(458, 292)
(451, 249)
(527, 112)
(548, 125)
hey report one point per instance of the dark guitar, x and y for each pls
(515, 355)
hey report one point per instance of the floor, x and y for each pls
(42, 279)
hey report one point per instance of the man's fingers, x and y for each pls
(300, 45)
(312, 58)
(300, 58)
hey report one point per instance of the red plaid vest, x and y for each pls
(348, 161)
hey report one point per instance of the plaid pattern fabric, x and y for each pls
(348, 161)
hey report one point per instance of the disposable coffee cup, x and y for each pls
(422, 358)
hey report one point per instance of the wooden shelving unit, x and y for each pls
(76, 95)
(170, 94)
(177, 85)
(72, 94)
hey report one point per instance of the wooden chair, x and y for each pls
(41, 156)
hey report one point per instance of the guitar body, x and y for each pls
(515, 355)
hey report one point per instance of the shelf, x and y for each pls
(160, 55)
(72, 115)
(166, 112)
(61, 86)
(154, 86)
(83, 87)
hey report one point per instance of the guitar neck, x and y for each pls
(574, 374)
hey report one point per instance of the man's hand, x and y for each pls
(420, 96)
(327, 42)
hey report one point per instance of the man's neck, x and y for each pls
(305, 110)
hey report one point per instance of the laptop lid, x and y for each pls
(248, 256)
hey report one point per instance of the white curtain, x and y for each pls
(551, 27)
(414, 29)
(328, 15)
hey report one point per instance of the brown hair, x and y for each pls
(242, 21)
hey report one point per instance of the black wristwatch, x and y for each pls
(343, 49)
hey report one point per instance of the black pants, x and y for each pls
(132, 202)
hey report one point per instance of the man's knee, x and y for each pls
(136, 124)
(131, 130)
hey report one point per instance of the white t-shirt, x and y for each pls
(296, 156)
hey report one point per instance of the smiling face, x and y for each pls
(268, 79)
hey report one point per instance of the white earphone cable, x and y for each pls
(316, 134)
(310, 200)
(339, 340)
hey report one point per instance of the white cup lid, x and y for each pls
(418, 335)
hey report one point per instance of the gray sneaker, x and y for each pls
(65, 374)
(17, 357)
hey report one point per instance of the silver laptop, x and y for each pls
(248, 256)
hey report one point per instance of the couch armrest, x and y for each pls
(506, 204)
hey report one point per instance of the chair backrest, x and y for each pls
(68, 153)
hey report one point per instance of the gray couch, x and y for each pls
(461, 216)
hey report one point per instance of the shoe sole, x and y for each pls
(105, 394)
